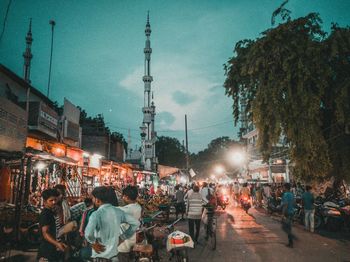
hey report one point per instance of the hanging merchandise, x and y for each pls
(69, 173)
(35, 181)
(155, 180)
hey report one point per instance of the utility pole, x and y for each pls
(27, 55)
(109, 145)
(52, 23)
(187, 158)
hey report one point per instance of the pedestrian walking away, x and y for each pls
(309, 209)
(287, 212)
(194, 213)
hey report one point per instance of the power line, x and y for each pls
(5, 19)
(175, 131)
(198, 128)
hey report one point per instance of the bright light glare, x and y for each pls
(97, 156)
(86, 154)
(219, 169)
(40, 166)
(237, 157)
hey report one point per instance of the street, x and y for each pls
(258, 237)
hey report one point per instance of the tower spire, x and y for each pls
(27, 55)
(148, 134)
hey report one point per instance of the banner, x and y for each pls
(192, 173)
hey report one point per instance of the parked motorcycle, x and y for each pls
(245, 203)
(331, 216)
(274, 205)
(223, 201)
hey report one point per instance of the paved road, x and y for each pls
(258, 237)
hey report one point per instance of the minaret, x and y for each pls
(148, 134)
(28, 54)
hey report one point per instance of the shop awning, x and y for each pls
(165, 171)
(47, 156)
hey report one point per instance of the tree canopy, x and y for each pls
(170, 152)
(295, 80)
(215, 154)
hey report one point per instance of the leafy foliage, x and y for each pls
(204, 161)
(170, 152)
(295, 80)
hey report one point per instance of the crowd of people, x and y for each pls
(105, 225)
(103, 228)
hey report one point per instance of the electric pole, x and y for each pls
(187, 157)
(52, 23)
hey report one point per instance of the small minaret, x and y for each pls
(28, 54)
(148, 134)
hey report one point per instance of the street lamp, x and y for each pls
(219, 169)
(237, 157)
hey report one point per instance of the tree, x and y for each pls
(215, 154)
(295, 80)
(170, 152)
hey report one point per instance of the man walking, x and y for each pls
(180, 201)
(194, 213)
(103, 229)
(287, 212)
(309, 210)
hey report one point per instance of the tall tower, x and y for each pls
(28, 54)
(148, 134)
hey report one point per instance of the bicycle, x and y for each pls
(210, 228)
(159, 237)
(143, 252)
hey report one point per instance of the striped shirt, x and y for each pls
(194, 206)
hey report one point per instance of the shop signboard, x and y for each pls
(13, 126)
(43, 118)
(71, 116)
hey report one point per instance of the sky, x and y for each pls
(98, 56)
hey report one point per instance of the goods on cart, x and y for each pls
(29, 214)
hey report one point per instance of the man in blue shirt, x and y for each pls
(309, 210)
(287, 212)
(103, 229)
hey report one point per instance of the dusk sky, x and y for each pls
(98, 56)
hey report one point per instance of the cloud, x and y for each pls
(183, 98)
(165, 119)
(180, 88)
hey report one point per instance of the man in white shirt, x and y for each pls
(132, 208)
(103, 228)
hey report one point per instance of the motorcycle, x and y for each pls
(223, 201)
(274, 205)
(245, 204)
(331, 216)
